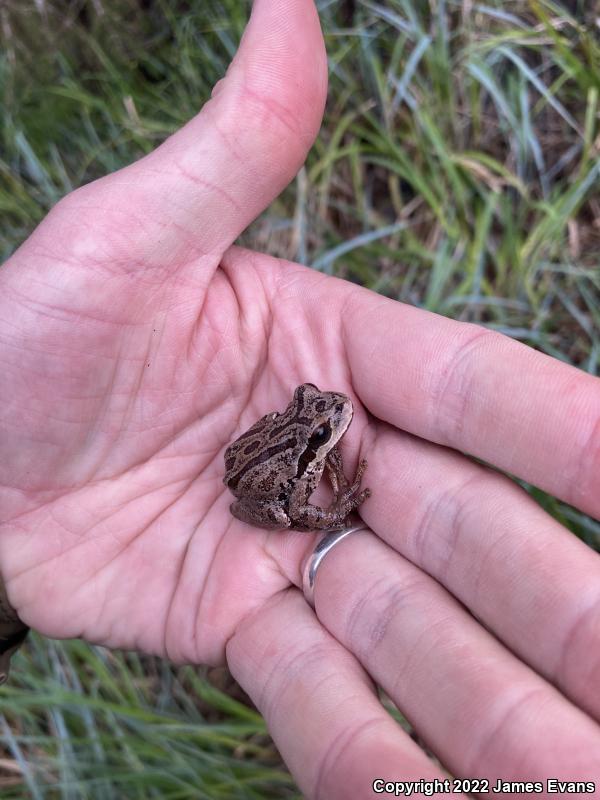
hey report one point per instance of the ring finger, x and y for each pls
(483, 712)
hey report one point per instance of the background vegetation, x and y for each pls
(457, 169)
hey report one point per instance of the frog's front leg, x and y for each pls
(342, 490)
(263, 513)
(353, 488)
(335, 471)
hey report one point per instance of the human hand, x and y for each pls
(137, 344)
(133, 352)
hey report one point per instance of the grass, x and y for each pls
(457, 169)
(84, 722)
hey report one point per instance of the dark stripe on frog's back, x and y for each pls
(231, 453)
(260, 423)
(268, 418)
(256, 428)
(300, 398)
(301, 392)
(235, 448)
(265, 455)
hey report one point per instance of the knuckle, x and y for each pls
(453, 394)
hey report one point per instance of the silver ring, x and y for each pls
(327, 543)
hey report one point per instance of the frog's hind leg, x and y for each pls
(306, 516)
(263, 514)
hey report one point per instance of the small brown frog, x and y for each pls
(274, 466)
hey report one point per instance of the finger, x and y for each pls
(479, 392)
(483, 713)
(530, 581)
(201, 188)
(319, 705)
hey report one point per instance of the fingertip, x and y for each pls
(283, 55)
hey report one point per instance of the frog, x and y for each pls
(273, 468)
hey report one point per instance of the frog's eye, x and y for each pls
(319, 436)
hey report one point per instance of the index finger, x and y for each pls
(480, 392)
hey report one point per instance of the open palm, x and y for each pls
(137, 343)
(138, 351)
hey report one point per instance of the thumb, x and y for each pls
(209, 180)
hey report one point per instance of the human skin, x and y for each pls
(136, 343)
